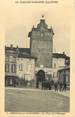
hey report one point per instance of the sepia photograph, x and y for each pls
(37, 57)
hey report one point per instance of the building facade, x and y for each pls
(60, 60)
(10, 65)
(25, 69)
(19, 66)
(22, 64)
(64, 75)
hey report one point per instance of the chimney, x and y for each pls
(64, 53)
(17, 49)
(17, 46)
(11, 45)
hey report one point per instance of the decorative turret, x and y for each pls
(42, 24)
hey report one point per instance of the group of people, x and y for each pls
(57, 86)
(60, 86)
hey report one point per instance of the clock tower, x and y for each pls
(41, 44)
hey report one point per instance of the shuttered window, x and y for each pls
(6, 67)
(13, 68)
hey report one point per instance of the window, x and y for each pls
(12, 58)
(7, 58)
(20, 67)
(53, 74)
(54, 65)
(6, 67)
(10, 82)
(13, 68)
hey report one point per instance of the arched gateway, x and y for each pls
(40, 77)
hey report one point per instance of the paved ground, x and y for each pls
(34, 100)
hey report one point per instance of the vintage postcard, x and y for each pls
(36, 58)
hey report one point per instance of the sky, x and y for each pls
(20, 19)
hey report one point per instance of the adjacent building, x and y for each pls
(64, 75)
(60, 60)
(19, 65)
(25, 68)
(10, 65)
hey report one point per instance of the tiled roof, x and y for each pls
(9, 48)
(60, 55)
(64, 68)
(27, 50)
(21, 55)
(22, 50)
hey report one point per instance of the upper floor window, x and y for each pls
(13, 68)
(12, 59)
(67, 61)
(6, 58)
(54, 65)
(6, 67)
(20, 67)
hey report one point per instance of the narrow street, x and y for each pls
(35, 100)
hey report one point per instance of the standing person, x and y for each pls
(52, 84)
(50, 87)
(64, 86)
(60, 86)
(56, 86)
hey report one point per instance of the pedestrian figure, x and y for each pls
(50, 86)
(52, 83)
(60, 86)
(37, 84)
(64, 86)
(56, 86)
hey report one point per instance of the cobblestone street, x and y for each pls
(35, 100)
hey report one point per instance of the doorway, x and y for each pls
(40, 77)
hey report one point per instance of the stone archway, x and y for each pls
(40, 77)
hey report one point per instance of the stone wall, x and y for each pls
(41, 39)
